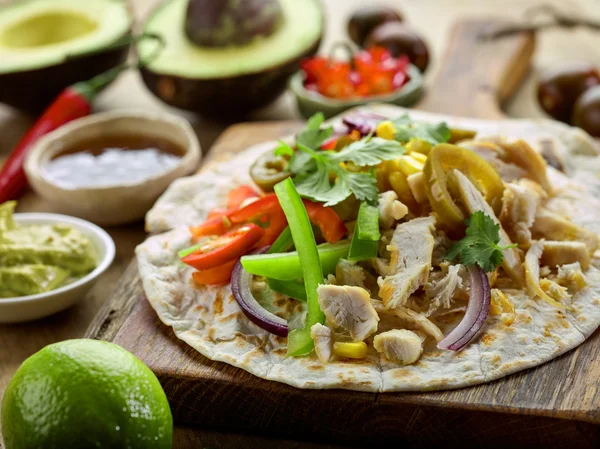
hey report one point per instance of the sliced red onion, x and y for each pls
(476, 314)
(240, 287)
(364, 122)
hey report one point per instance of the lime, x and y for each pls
(85, 394)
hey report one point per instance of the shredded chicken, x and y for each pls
(519, 206)
(566, 252)
(349, 308)
(411, 249)
(416, 319)
(554, 227)
(474, 202)
(528, 159)
(399, 345)
(416, 183)
(390, 209)
(532, 274)
(441, 246)
(349, 273)
(555, 290)
(323, 338)
(493, 154)
(571, 276)
(501, 305)
(441, 292)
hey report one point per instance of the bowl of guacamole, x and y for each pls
(47, 262)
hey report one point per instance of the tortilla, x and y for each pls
(209, 319)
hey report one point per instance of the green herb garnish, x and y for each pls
(480, 243)
(433, 133)
(312, 167)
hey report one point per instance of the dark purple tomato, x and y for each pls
(586, 113)
(559, 89)
(399, 39)
(365, 19)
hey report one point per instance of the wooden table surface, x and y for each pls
(432, 18)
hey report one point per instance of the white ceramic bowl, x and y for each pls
(31, 307)
(119, 203)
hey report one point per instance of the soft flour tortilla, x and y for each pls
(209, 319)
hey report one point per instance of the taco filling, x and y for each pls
(379, 244)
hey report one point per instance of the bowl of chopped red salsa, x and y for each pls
(331, 85)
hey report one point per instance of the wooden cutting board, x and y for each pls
(554, 405)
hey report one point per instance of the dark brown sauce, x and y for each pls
(113, 160)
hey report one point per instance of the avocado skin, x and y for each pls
(33, 90)
(227, 97)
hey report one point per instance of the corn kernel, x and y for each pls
(420, 157)
(416, 145)
(353, 350)
(386, 130)
(408, 165)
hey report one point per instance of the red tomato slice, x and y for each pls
(228, 247)
(215, 276)
(255, 210)
(237, 196)
(329, 222)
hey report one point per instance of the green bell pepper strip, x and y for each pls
(283, 243)
(366, 234)
(300, 341)
(288, 266)
(291, 289)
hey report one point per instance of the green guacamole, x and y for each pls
(39, 258)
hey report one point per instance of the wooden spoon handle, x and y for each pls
(477, 76)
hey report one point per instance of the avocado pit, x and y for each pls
(231, 22)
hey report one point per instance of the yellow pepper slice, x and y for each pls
(444, 158)
(415, 145)
(399, 184)
(351, 350)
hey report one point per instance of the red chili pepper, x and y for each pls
(72, 103)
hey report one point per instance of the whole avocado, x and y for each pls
(219, 23)
(365, 19)
(399, 39)
(586, 113)
(558, 89)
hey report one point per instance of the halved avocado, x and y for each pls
(47, 45)
(226, 81)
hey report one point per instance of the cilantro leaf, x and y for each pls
(433, 133)
(313, 136)
(366, 152)
(480, 244)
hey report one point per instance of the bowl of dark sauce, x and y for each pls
(111, 167)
